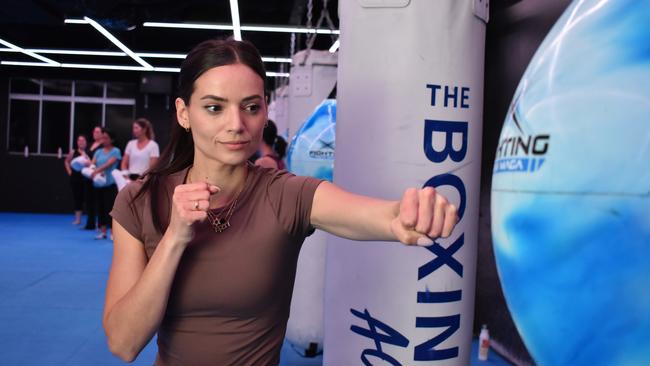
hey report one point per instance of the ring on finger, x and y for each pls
(196, 205)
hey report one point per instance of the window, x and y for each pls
(57, 87)
(55, 127)
(25, 86)
(86, 117)
(23, 124)
(88, 89)
(119, 118)
(45, 115)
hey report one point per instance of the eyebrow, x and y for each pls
(221, 99)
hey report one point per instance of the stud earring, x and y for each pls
(187, 129)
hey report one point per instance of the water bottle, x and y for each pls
(483, 343)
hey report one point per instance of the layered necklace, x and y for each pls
(220, 219)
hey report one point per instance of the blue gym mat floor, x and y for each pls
(52, 278)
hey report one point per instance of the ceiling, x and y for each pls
(37, 25)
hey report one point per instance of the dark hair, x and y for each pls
(271, 138)
(179, 153)
(110, 134)
(146, 126)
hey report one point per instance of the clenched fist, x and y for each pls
(424, 215)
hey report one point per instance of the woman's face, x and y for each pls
(81, 143)
(226, 114)
(97, 134)
(106, 140)
(137, 131)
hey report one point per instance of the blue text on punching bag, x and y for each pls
(450, 94)
(448, 128)
(382, 333)
(427, 351)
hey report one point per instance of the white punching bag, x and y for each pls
(311, 80)
(410, 101)
(279, 110)
(313, 77)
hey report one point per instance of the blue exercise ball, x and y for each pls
(571, 190)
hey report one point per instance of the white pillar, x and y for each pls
(410, 102)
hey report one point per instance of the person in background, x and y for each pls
(76, 179)
(272, 149)
(106, 160)
(140, 154)
(91, 200)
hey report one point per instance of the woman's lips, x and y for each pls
(235, 145)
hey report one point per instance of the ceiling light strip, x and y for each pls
(234, 14)
(113, 67)
(23, 63)
(122, 54)
(77, 52)
(335, 46)
(248, 28)
(29, 53)
(117, 42)
(188, 25)
(75, 21)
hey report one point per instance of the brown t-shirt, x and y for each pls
(230, 299)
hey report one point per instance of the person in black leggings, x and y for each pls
(91, 199)
(76, 179)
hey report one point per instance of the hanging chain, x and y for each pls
(324, 15)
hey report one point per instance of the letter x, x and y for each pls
(443, 257)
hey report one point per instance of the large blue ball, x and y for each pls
(311, 152)
(571, 190)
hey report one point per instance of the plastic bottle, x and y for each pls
(483, 343)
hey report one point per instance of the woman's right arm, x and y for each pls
(125, 162)
(138, 290)
(68, 159)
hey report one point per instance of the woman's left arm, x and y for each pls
(419, 217)
(105, 166)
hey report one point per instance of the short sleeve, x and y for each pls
(129, 215)
(155, 150)
(291, 197)
(116, 153)
(128, 148)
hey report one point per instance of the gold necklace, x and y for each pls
(220, 221)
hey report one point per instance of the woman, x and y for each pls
(76, 179)
(272, 149)
(140, 154)
(206, 244)
(106, 160)
(91, 197)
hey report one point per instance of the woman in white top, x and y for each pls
(140, 154)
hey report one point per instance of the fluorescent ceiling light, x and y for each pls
(188, 25)
(234, 13)
(255, 28)
(122, 54)
(335, 46)
(117, 42)
(23, 63)
(161, 55)
(113, 67)
(249, 28)
(75, 21)
(29, 53)
(276, 59)
(77, 52)
(277, 74)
